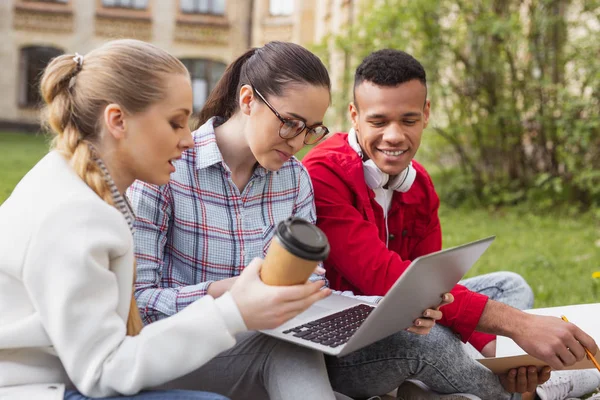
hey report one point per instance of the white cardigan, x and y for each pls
(66, 260)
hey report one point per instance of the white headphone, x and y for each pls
(375, 177)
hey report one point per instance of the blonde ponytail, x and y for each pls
(134, 320)
(76, 91)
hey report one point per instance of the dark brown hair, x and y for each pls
(269, 68)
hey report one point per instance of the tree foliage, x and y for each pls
(514, 86)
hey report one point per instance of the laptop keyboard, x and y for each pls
(335, 329)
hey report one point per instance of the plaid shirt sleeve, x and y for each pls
(152, 205)
(305, 208)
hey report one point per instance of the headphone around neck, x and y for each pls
(375, 177)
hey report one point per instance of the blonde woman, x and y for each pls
(67, 316)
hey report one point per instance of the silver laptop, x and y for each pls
(339, 325)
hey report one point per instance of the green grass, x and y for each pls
(556, 254)
(18, 153)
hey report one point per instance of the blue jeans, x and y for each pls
(438, 359)
(154, 395)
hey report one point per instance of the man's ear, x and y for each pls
(246, 99)
(353, 110)
(114, 120)
(426, 111)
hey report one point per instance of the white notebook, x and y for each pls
(510, 355)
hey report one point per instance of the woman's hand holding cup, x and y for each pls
(266, 307)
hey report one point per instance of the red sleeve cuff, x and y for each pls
(469, 315)
(480, 339)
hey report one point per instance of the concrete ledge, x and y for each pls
(25, 127)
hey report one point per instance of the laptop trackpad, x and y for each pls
(313, 312)
(327, 306)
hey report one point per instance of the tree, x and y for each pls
(514, 84)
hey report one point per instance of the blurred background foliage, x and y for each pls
(515, 93)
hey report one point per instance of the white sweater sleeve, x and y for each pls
(68, 276)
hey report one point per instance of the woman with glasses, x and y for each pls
(195, 235)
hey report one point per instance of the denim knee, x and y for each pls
(521, 293)
(504, 286)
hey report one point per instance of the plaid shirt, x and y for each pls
(199, 228)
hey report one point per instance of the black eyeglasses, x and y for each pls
(292, 127)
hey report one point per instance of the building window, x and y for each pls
(205, 75)
(33, 60)
(203, 6)
(281, 7)
(135, 4)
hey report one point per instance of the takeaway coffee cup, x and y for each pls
(296, 249)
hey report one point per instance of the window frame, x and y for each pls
(28, 95)
(45, 6)
(123, 7)
(210, 8)
(271, 14)
(210, 67)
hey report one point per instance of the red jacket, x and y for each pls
(354, 224)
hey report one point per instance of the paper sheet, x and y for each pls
(510, 355)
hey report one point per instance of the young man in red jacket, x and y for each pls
(379, 209)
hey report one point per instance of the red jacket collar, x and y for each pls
(349, 167)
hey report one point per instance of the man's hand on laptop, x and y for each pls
(424, 324)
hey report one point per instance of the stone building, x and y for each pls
(205, 34)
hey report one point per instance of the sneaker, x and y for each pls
(564, 384)
(415, 390)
